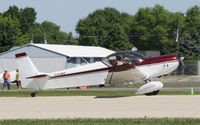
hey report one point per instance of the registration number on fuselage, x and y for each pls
(60, 74)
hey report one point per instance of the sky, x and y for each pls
(67, 13)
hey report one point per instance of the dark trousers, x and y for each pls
(6, 82)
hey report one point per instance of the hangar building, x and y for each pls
(52, 57)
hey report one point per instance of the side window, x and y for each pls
(112, 60)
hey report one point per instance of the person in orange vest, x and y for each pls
(18, 80)
(6, 77)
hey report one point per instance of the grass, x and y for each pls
(63, 92)
(177, 93)
(83, 93)
(66, 93)
(124, 121)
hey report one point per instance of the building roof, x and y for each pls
(75, 50)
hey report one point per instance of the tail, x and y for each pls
(30, 76)
(25, 65)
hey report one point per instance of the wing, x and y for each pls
(125, 75)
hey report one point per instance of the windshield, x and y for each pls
(123, 57)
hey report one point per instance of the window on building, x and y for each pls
(97, 59)
(85, 59)
(71, 63)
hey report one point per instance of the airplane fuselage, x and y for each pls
(128, 72)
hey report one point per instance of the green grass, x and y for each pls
(125, 121)
(66, 93)
(83, 93)
(176, 93)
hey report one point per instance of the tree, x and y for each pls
(192, 20)
(71, 40)
(190, 46)
(27, 19)
(154, 29)
(96, 28)
(52, 33)
(118, 39)
(13, 12)
(17, 26)
(190, 39)
(9, 33)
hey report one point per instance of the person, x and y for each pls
(18, 80)
(120, 60)
(6, 77)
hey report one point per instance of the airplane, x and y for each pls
(117, 68)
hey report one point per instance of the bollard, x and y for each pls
(192, 91)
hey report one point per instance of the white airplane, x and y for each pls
(133, 67)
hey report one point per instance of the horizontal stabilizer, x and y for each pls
(37, 76)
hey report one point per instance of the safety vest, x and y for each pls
(17, 77)
(6, 76)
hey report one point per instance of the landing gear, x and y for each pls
(152, 93)
(102, 85)
(147, 80)
(33, 94)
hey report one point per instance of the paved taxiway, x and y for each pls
(99, 107)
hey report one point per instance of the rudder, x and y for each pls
(26, 69)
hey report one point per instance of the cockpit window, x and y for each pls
(123, 57)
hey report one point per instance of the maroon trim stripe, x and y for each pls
(159, 59)
(37, 76)
(123, 67)
(20, 55)
(78, 73)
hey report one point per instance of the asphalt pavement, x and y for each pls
(100, 107)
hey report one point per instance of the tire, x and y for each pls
(33, 94)
(102, 85)
(152, 93)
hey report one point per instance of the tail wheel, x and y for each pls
(33, 94)
(152, 93)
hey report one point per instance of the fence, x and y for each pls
(188, 67)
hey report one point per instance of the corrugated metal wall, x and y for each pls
(49, 64)
(45, 61)
(43, 64)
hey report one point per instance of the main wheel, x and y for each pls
(152, 93)
(33, 94)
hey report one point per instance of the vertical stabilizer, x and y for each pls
(26, 69)
(25, 65)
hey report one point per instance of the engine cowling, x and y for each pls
(150, 87)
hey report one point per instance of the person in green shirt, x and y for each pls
(18, 80)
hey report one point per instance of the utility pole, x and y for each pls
(45, 41)
(32, 39)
